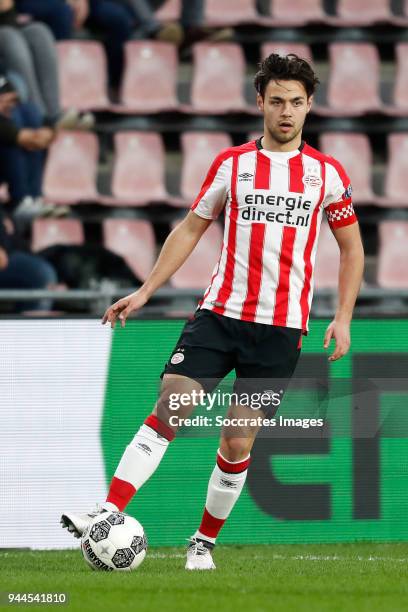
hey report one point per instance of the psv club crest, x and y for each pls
(312, 178)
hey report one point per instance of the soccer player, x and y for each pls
(255, 311)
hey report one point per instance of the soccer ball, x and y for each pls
(114, 541)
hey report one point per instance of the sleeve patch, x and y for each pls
(347, 193)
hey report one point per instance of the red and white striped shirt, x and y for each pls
(273, 203)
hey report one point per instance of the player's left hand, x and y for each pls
(341, 333)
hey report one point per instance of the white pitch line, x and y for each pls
(164, 556)
(332, 558)
(276, 557)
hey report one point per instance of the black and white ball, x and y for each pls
(114, 541)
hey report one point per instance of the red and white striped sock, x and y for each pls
(139, 461)
(224, 488)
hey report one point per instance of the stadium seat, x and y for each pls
(396, 177)
(71, 169)
(327, 265)
(149, 82)
(353, 151)
(353, 88)
(284, 48)
(218, 81)
(393, 255)
(48, 232)
(199, 151)
(82, 75)
(170, 11)
(361, 12)
(196, 272)
(134, 241)
(297, 12)
(231, 12)
(139, 169)
(400, 101)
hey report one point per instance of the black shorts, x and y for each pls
(210, 346)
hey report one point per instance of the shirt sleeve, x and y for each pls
(337, 203)
(214, 191)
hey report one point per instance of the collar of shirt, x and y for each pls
(279, 154)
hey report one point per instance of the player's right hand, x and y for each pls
(122, 308)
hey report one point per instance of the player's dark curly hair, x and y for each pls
(285, 68)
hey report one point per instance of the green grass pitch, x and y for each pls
(326, 577)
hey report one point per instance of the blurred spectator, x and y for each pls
(148, 26)
(57, 14)
(119, 20)
(80, 9)
(116, 21)
(23, 142)
(89, 266)
(29, 50)
(20, 269)
(263, 7)
(192, 21)
(116, 24)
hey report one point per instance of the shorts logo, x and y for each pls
(311, 180)
(177, 358)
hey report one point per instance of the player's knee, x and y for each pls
(178, 397)
(165, 411)
(235, 449)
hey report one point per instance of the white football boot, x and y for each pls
(199, 556)
(77, 523)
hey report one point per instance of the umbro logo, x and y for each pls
(229, 484)
(144, 448)
(245, 176)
